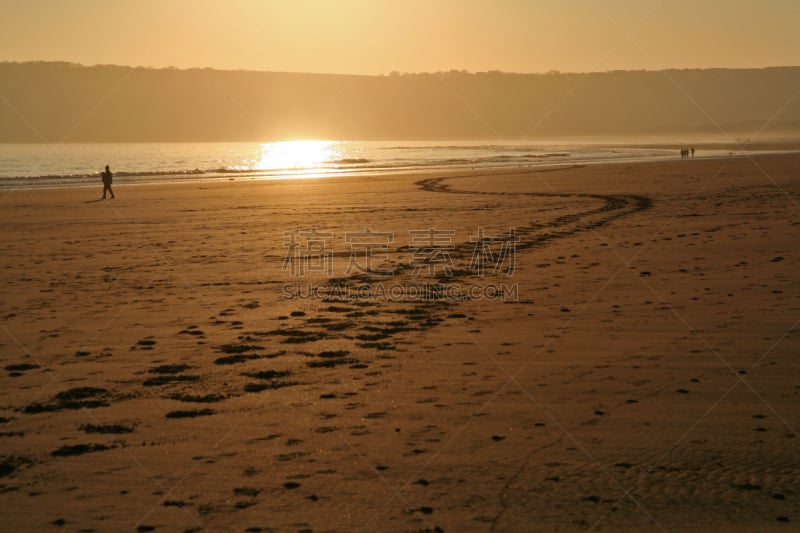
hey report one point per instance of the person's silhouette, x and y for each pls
(107, 178)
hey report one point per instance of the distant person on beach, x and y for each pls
(107, 178)
(692, 152)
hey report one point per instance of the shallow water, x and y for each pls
(66, 165)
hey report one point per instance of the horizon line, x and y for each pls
(393, 73)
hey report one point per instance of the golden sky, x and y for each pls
(380, 36)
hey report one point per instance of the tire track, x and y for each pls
(615, 206)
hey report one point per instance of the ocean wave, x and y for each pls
(117, 174)
(34, 167)
(351, 161)
(530, 148)
(448, 147)
(344, 164)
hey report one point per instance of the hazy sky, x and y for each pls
(379, 36)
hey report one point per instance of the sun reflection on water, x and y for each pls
(296, 155)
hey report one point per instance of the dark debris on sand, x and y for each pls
(77, 398)
(79, 449)
(191, 413)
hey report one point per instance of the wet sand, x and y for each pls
(636, 369)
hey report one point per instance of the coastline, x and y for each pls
(192, 162)
(643, 377)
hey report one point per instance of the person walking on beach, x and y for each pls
(107, 178)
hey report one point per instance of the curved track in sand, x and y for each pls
(615, 206)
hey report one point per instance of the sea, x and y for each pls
(26, 166)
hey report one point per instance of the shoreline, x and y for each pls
(510, 169)
(583, 155)
(348, 174)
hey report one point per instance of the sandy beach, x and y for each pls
(619, 352)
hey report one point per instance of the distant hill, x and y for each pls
(55, 102)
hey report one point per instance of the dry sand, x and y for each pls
(156, 377)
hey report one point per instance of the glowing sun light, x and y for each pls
(295, 154)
